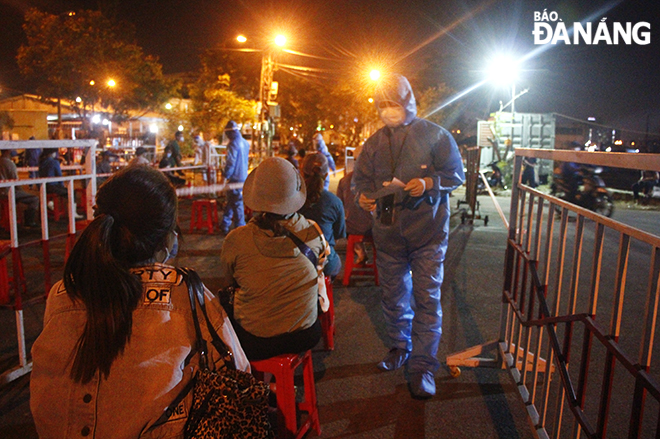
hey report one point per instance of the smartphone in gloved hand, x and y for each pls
(387, 210)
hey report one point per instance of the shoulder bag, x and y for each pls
(227, 403)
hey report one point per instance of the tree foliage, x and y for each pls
(214, 104)
(350, 112)
(74, 55)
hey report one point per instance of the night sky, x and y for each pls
(618, 84)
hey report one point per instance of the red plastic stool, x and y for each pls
(283, 368)
(197, 215)
(5, 249)
(19, 276)
(4, 214)
(359, 269)
(82, 193)
(57, 211)
(328, 319)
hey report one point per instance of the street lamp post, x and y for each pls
(266, 82)
(268, 67)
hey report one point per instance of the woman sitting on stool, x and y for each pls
(119, 337)
(276, 303)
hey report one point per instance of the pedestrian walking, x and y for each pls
(405, 173)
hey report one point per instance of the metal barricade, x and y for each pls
(580, 299)
(89, 174)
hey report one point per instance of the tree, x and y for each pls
(429, 102)
(299, 100)
(242, 67)
(214, 104)
(75, 55)
(349, 110)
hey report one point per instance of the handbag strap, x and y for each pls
(304, 248)
(196, 294)
(191, 278)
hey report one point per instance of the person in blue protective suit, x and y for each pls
(234, 171)
(404, 175)
(323, 149)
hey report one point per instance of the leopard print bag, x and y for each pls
(227, 403)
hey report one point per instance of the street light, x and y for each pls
(503, 71)
(374, 75)
(268, 67)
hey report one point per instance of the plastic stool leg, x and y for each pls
(209, 218)
(192, 217)
(286, 402)
(310, 404)
(4, 282)
(350, 258)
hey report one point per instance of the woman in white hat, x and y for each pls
(275, 306)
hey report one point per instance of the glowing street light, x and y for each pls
(280, 40)
(241, 39)
(111, 83)
(374, 75)
(502, 70)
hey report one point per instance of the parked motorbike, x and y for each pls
(584, 188)
(494, 178)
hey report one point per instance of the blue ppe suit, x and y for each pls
(235, 171)
(323, 149)
(411, 250)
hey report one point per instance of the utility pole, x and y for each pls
(265, 137)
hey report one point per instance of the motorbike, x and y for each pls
(494, 178)
(584, 188)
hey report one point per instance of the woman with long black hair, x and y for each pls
(118, 337)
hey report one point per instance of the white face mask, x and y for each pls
(393, 116)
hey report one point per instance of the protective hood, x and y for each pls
(396, 88)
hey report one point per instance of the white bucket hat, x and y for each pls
(274, 186)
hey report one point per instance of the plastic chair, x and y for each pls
(359, 269)
(197, 214)
(283, 368)
(328, 319)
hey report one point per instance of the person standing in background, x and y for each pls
(321, 147)
(234, 171)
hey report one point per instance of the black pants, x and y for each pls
(260, 348)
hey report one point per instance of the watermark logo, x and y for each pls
(550, 29)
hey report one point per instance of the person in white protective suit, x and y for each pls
(404, 176)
